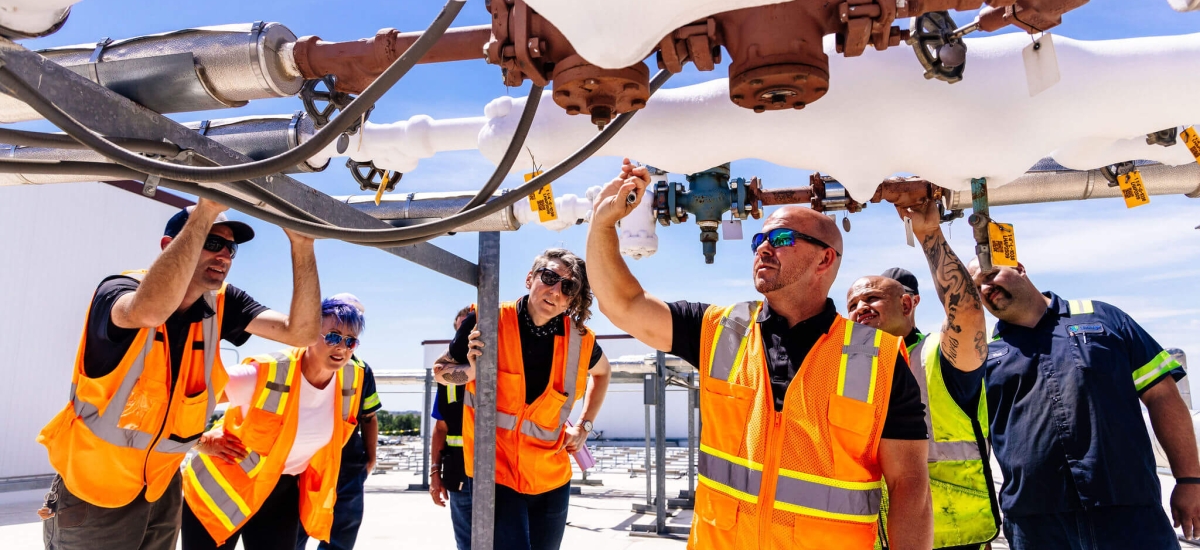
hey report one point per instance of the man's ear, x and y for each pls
(164, 242)
(529, 281)
(907, 304)
(1020, 268)
(916, 300)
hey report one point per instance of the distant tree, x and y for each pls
(398, 423)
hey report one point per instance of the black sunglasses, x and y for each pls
(569, 286)
(332, 339)
(214, 243)
(782, 236)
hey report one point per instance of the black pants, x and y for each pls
(272, 527)
(139, 525)
(531, 522)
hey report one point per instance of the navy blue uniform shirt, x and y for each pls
(1063, 399)
(354, 454)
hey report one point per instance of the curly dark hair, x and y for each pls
(580, 309)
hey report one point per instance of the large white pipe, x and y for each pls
(32, 18)
(1073, 185)
(881, 118)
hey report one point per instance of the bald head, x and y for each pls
(886, 285)
(806, 220)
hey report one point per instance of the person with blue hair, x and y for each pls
(270, 465)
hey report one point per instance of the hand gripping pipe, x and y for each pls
(221, 174)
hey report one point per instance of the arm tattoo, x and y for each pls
(456, 375)
(957, 292)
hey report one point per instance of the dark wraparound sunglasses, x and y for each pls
(332, 339)
(782, 236)
(569, 286)
(214, 243)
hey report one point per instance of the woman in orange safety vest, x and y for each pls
(271, 464)
(545, 355)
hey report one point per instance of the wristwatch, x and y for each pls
(587, 426)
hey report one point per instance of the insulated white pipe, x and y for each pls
(34, 17)
(881, 118)
(1070, 185)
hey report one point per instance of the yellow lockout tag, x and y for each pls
(1004, 244)
(1133, 190)
(542, 200)
(1191, 139)
(382, 185)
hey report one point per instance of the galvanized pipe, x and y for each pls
(181, 71)
(1072, 185)
(412, 208)
(257, 137)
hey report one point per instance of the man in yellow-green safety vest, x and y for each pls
(965, 510)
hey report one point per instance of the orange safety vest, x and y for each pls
(224, 496)
(129, 430)
(529, 437)
(806, 477)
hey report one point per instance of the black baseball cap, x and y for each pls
(241, 231)
(905, 278)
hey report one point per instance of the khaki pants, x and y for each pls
(139, 525)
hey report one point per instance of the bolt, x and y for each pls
(591, 82)
(631, 86)
(562, 93)
(759, 108)
(572, 109)
(637, 103)
(756, 82)
(800, 78)
(534, 51)
(798, 105)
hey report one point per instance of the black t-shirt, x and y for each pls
(786, 349)
(354, 453)
(537, 351)
(107, 343)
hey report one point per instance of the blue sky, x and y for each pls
(1143, 260)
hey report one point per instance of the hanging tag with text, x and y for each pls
(1133, 190)
(1191, 139)
(1004, 244)
(542, 200)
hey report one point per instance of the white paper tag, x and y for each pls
(731, 230)
(909, 237)
(1041, 65)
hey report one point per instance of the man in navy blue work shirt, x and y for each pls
(1064, 382)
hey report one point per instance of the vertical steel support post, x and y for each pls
(648, 392)
(483, 507)
(691, 405)
(660, 443)
(426, 428)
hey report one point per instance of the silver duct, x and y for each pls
(256, 137)
(182, 71)
(407, 209)
(1048, 182)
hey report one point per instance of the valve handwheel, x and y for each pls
(938, 46)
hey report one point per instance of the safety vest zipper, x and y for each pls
(766, 497)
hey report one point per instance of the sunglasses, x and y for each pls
(332, 339)
(214, 243)
(782, 236)
(569, 286)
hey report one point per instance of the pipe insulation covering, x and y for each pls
(985, 126)
(32, 18)
(182, 71)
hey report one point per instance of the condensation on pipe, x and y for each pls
(182, 71)
(400, 145)
(1072, 185)
(257, 137)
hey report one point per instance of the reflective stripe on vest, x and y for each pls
(860, 360)
(737, 477)
(828, 498)
(218, 496)
(570, 375)
(1079, 307)
(451, 393)
(273, 398)
(454, 440)
(350, 380)
(939, 451)
(106, 426)
(729, 343)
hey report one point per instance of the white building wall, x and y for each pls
(56, 243)
(623, 413)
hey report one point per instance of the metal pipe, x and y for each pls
(692, 404)
(483, 505)
(181, 71)
(647, 390)
(257, 137)
(1069, 185)
(785, 195)
(660, 444)
(425, 432)
(412, 208)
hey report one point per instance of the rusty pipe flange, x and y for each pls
(776, 87)
(583, 88)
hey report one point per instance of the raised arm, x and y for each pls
(620, 296)
(301, 326)
(162, 290)
(964, 341)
